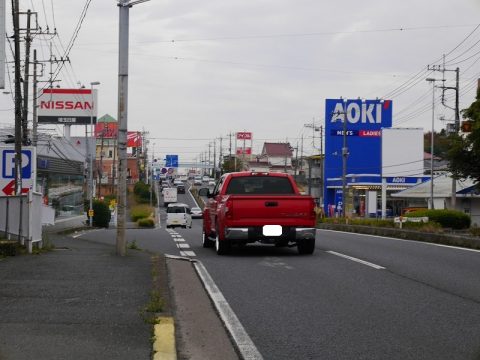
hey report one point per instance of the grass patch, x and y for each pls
(146, 222)
(132, 245)
(141, 212)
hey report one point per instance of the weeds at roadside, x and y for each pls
(156, 304)
(132, 245)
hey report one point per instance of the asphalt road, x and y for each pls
(356, 297)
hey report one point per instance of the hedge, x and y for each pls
(446, 218)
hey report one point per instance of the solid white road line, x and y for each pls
(397, 239)
(245, 345)
(378, 267)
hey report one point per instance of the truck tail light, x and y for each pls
(313, 214)
(228, 209)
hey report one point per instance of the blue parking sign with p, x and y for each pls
(8, 164)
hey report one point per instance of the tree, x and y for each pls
(229, 165)
(464, 154)
(441, 143)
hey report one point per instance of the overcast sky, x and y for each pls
(200, 70)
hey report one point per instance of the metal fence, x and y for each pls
(21, 218)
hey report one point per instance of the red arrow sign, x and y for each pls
(9, 189)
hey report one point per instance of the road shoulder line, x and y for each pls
(241, 339)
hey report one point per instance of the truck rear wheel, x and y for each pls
(222, 246)
(306, 246)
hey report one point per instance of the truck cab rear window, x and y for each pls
(260, 185)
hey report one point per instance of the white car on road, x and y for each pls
(179, 214)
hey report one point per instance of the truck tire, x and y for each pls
(222, 247)
(306, 246)
(206, 242)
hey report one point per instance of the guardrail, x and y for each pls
(402, 219)
(21, 218)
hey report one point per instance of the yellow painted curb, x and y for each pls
(164, 344)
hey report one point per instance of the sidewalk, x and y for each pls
(80, 301)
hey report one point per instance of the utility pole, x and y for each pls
(100, 169)
(214, 158)
(322, 162)
(28, 41)
(18, 99)
(124, 8)
(301, 156)
(220, 158)
(456, 109)
(344, 163)
(34, 117)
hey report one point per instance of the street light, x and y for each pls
(432, 80)
(90, 173)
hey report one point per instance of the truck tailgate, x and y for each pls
(290, 210)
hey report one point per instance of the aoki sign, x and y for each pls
(362, 132)
(359, 112)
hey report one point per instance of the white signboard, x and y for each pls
(7, 170)
(402, 152)
(67, 106)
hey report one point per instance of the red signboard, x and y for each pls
(134, 139)
(107, 130)
(246, 151)
(244, 136)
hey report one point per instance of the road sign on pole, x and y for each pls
(171, 161)
(7, 169)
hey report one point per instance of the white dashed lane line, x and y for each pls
(375, 266)
(181, 244)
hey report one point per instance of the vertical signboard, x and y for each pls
(244, 150)
(364, 122)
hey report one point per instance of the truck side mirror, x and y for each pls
(204, 192)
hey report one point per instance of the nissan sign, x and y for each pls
(67, 106)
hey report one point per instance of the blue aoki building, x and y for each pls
(366, 121)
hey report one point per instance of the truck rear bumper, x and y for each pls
(255, 233)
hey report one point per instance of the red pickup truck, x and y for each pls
(247, 207)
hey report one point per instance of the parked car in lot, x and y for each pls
(196, 213)
(178, 214)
